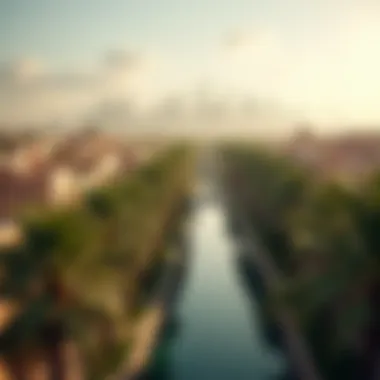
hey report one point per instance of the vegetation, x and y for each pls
(324, 239)
(82, 272)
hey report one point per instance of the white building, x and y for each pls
(63, 187)
(10, 233)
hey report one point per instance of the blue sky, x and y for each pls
(67, 32)
(72, 30)
(286, 50)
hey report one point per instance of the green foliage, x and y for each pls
(101, 203)
(61, 235)
(92, 259)
(323, 237)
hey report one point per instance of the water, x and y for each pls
(216, 333)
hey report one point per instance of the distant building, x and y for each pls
(62, 188)
(17, 192)
(349, 158)
(58, 173)
(18, 189)
(304, 147)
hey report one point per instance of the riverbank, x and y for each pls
(302, 362)
(147, 332)
(215, 332)
(255, 255)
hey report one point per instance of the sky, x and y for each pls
(221, 65)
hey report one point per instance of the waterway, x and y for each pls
(216, 331)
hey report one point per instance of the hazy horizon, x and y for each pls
(191, 67)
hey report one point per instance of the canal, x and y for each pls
(216, 331)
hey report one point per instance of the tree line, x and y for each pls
(83, 273)
(325, 240)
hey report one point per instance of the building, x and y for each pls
(58, 173)
(350, 158)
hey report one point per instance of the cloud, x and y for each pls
(336, 76)
(237, 39)
(328, 73)
(30, 93)
(113, 113)
(123, 60)
(249, 63)
(123, 90)
(20, 71)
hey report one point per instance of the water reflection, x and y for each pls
(161, 368)
(217, 332)
(252, 282)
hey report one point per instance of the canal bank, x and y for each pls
(260, 264)
(215, 331)
(151, 324)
